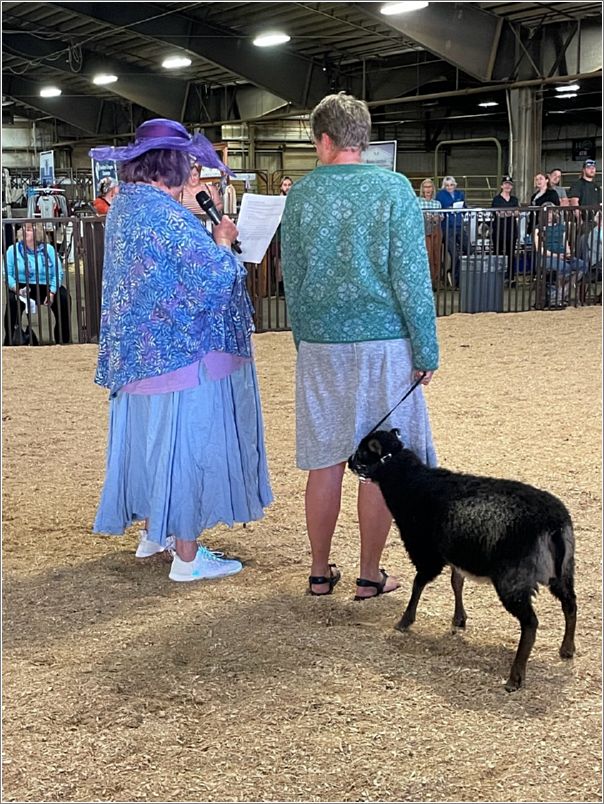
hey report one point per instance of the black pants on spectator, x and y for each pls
(60, 307)
(505, 247)
(454, 243)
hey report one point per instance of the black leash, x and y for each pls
(410, 391)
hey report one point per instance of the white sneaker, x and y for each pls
(148, 548)
(205, 565)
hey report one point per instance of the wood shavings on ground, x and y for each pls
(122, 686)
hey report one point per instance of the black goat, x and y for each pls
(509, 532)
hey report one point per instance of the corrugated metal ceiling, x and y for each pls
(334, 31)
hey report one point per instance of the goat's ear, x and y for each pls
(374, 446)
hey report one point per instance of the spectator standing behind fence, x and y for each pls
(586, 192)
(194, 185)
(284, 188)
(432, 224)
(544, 194)
(505, 225)
(452, 224)
(357, 285)
(35, 270)
(554, 178)
(554, 256)
(108, 189)
(186, 445)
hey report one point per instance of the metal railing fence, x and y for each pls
(481, 260)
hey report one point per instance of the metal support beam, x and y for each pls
(163, 95)
(294, 78)
(82, 112)
(460, 33)
(526, 129)
(562, 47)
(406, 80)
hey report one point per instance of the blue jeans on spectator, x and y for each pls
(559, 268)
(564, 266)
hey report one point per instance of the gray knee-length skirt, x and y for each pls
(344, 389)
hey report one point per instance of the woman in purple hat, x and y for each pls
(186, 443)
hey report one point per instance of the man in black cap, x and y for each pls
(586, 192)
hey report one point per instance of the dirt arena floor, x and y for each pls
(122, 686)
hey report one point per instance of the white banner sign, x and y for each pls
(47, 168)
(382, 154)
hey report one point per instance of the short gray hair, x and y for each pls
(172, 168)
(344, 118)
(448, 179)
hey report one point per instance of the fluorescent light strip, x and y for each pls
(103, 78)
(389, 9)
(271, 38)
(173, 62)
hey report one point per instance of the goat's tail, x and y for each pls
(563, 543)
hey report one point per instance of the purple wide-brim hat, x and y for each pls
(165, 135)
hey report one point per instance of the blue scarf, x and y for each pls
(170, 294)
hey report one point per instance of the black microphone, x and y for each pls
(215, 215)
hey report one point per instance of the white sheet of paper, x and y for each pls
(259, 217)
(457, 204)
(33, 307)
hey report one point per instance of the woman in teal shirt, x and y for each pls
(34, 269)
(359, 296)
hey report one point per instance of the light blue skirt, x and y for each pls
(186, 460)
(342, 392)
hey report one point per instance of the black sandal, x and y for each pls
(377, 585)
(332, 580)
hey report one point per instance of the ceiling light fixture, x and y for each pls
(50, 92)
(173, 62)
(401, 8)
(568, 95)
(569, 88)
(104, 78)
(486, 104)
(271, 38)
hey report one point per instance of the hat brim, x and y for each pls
(198, 146)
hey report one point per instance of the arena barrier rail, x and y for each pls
(482, 260)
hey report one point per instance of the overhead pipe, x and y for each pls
(405, 99)
(485, 89)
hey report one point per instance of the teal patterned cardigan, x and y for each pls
(354, 260)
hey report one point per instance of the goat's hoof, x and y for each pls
(567, 651)
(459, 622)
(513, 684)
(403, 625)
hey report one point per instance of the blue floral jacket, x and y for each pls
(170, 294)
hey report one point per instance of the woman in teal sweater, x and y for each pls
(34, 269)
(359, 295)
